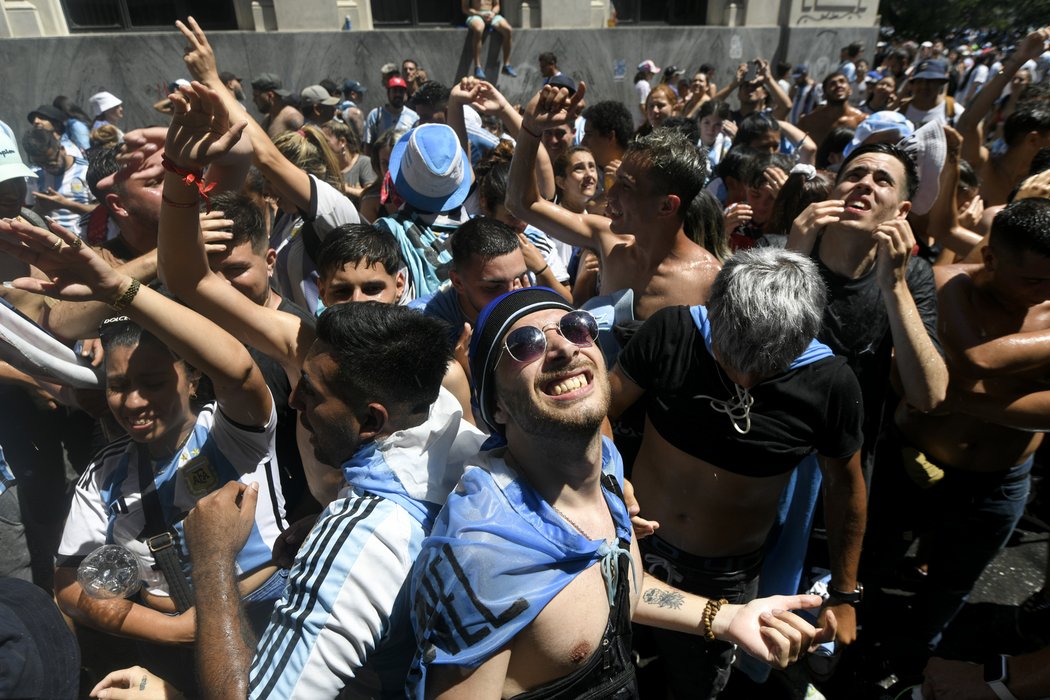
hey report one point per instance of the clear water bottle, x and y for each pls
(347, 23)
(111, 571)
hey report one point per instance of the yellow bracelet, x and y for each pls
(124, 300)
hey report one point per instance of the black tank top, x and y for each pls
(609, 673)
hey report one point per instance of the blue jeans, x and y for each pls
(259, 604)
(974, 514)
(695, 667)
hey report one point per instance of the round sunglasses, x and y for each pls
(528, 343)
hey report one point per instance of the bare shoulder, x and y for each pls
(943, 273)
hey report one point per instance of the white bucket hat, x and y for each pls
(104, 101)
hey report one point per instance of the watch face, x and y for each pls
(995, 669)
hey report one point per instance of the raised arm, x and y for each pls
(281, 173)
(969, 124)
(76, 272)
(807, 147)
(550, 107)
(944, 222)
(727, 89)
(198, 126)
(781, 101)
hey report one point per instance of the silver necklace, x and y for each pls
(571, 521)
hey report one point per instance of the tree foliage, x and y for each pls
(925, 19)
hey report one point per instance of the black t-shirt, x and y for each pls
(856, 326)
(293, 478)
(813, 407)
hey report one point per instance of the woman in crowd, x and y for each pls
(78, 123)
(356, 169)
(373, 201)
(659, 105)
(882, 97)
(717, 129)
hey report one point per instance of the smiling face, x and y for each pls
(148, 392)
(565, 391)
(658, 107)
(873, 187)
(580, 181)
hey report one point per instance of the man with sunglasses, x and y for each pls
(737, 395)
(530, 578)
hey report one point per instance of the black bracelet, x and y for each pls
(528, 131)
(540, 272)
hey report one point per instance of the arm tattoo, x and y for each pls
(142, 684)
(664, 599)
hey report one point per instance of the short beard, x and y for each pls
(537, 421)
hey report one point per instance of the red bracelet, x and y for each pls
(191, 178)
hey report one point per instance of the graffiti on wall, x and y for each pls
(831, 10)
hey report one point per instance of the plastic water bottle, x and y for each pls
(111, 571)
(347, 23)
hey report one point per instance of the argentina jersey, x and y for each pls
(108, 504)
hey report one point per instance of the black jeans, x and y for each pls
(693, 666)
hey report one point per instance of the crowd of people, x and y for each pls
(457, 398)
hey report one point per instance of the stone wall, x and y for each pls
(136, 67)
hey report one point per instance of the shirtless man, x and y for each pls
(995, 326)
(270, 99)
(725, 427)
(643, 245)
(536, 596)
(837, 112)
(1025, 131)
(483, 15)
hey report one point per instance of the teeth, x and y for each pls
(568, 385)
(140, 421)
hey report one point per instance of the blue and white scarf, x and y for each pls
(497, 556)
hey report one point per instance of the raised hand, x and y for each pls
(139, 157)
(1034, 44)
(807, 226)
(736, 215)
(970, 217)
(221, 522)
(551, 107)
(200, 130)
(199, 57)
(765, 628)
(896, 242)
(465, 91)
(775, 178)
(75, 272)
(487, 99)
(216, 230)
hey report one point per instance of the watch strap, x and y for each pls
(1001, 691)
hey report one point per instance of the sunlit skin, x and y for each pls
(360, 282)
(148, 391)
(837, 89)
(630, 203)
(658, 108)
(698, 85)
(871, 188)
(580, 181)
(246, 270)
(480, 281)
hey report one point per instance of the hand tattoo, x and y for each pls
(664, 599)
(142, 684)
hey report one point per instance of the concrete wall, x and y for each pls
(135, 66)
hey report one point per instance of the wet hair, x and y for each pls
(1027, 118)
(736, 163)
(308, 150)
(833, 144)
(765, 307)
(718, 108)
(102, 162)
(1022, 226)
(356, 244)
(797, 193)
(70, 109)
(342, 130)
(431, 93)
(385, 353)
(482, 237)
(685, 126)
(248, 224)
(911, 173)
(705, 225)
(610, 117)
(675, 165)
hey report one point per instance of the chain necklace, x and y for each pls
(571, 521)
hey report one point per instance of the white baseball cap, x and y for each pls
(11, 165)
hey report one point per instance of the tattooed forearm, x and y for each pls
(663, 599)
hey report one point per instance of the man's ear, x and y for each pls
(457, 281)
(112, 200)
(670, 205)
(903, 209)
(375, 420)
(271, 260)
(988, 258)
(399, 285)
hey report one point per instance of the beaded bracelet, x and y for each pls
(710, 610)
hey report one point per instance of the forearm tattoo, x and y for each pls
(664, 599)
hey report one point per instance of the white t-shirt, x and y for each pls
(642, 88)
(107, 505)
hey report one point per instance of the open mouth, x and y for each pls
(140, 425)
(570, 386)
(857, 205)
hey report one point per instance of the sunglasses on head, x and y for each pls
(528, 343)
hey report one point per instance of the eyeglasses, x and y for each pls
(528, 343)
